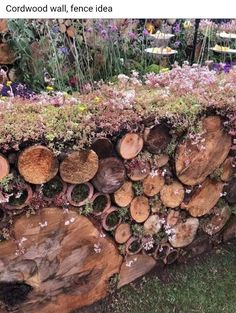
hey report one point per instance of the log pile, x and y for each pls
(120, 207)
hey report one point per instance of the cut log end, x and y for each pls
(204, 198)
(172, 195)
(184, 233)
(79, 167)
(153, 184)
(156, 138)
(139, 209)
(129, 146)
(124, 195)
(37, 164)
(217, 221)
(110, 176)
(122, 233)
(71, 273)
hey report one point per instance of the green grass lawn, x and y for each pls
(207, 285)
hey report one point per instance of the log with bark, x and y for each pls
(57, 261)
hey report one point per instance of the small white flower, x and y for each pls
(67, 222)
(97, 248)
(42, 225)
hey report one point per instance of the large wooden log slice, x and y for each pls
(110, 175)
(79, 167)
(61, 257)
(204, 198)
(37, 164)
(194, 162)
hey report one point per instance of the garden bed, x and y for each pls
(159, 149)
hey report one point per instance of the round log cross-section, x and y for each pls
(153, 184)
(79, 167)
(103, 147)
(62, 259)
(37, 164)
(129, 146)
(124, 195)
(110, 175)
(156, 138)
(172, 195)
(139, 209)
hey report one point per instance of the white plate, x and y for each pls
(226, 35)
(160, 52)
(162, 36)
(231, 51)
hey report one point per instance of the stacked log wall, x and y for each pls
(143, 207)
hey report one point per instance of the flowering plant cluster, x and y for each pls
(62, 121)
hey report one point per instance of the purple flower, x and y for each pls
(55, 29)
(112, 27)
(89, 30)
(177, 44)
(104, 34)
(17, 89)
(145, 32)
(64, 50)
(176, 28)
(227, 68)
(131, 35)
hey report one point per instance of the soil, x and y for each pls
(100, 203)
(80, 192)
(52, 188)
(112, 219)
(135, 246)
(15, 200)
